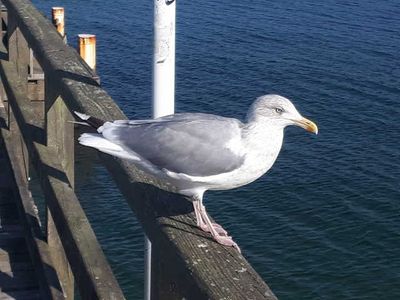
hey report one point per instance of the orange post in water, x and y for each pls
(87, 49)
(57, 14)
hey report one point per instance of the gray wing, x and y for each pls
(193, 144)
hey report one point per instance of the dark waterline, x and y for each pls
(324, 223)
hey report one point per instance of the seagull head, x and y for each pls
(279, 111)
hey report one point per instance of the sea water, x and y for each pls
(324, 223)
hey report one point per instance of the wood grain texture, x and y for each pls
(60, 138)
(92, 273)
(38, 248)
(16, 268)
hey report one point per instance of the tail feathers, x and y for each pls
(82, 116)
(100, 143)
(97, 141)
(92, 121)
(79, 123)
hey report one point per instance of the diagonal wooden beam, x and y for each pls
(92, 273)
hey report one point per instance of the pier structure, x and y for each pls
(43, 80)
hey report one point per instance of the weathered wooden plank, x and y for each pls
(50, 287)
(31, 294)
(11, 267)
(14, 257)
(18, 50)
(5, 177)
(16, 270)
(35, 70)
(91, 270)
(59, 258)
(19, 53)
(36, 90)
(60, 137)
(18, 281)
(21, 255)
(72, 77)
(4, 22)
(49, 283)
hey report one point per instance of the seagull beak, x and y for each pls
(307, 125)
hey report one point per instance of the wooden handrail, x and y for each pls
(187, 263)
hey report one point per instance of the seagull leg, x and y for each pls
(204, 222)
(223, 240)
(201, 223)
(218, 228)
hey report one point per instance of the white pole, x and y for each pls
(164, 58)
(163, 86)
(147, 268)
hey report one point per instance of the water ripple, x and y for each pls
(324, 222)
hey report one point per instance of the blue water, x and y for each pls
(324, 223)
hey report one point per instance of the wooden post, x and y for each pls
(87, 49)
(164, 276)
(3, 20)
(58, 19)
(18, 53)
(60, 136)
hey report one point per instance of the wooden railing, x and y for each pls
(38, 111)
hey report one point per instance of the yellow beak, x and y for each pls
(307, 125)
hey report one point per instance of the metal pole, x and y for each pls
(163, 86)
(164, 58)
(147, 268)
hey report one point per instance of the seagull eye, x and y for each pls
(279, 110)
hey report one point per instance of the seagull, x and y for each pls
(196, 152)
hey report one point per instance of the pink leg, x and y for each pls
(223, 240)
(201, 223)
(204, 222)
(221, 231)
(199, 220)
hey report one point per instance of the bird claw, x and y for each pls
(219, 234)
(227, 241)
(218, 228)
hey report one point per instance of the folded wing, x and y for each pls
(192, 144)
